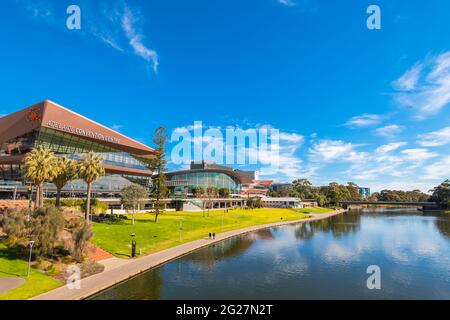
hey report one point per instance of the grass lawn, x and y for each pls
(314, 210)
(36, 283)
(151, 237)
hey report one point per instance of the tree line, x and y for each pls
(335, 193)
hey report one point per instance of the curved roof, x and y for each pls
(50, 115)
(237, 175)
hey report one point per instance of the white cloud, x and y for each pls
(389, 131)
(278, 161)
(285, 155)
(112, 22)
(135, 38)
(408, 81)
(196, 125)
(418, 154)
(364, 120)
(111, 42)
(291, 137)
(390, 147)
(439, 169)
(387, 164)
(331, 150)
(426, 87)
(116, 127)
(435, 138)
(288, 3)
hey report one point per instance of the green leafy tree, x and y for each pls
(374, 196)
(90, 169)
(158, 166)
(304, 188)
(133, 196)
(66, 171)
(400, 195)
(353, 191)
(13, 223)
(81, 236)
(224, 192)
(254, 202)
(441, 194)
(211, 193)
(96, 206)
(337, 193)
(198, 191)
(321, 199)
(46, 226)
(39, 166)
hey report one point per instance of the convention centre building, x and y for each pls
(70, 134)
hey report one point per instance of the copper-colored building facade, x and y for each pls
(68, 134)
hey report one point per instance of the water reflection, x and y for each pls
(443, 225)
(325, 259)
(144, 287)
(337, 225)
(227, 249)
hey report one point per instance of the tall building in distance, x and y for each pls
(364, 192)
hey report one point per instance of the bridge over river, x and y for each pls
(360, 204)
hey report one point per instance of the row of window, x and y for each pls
(63, 143)
(209, 179)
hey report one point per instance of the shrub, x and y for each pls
(71, 203)
(46, 225)
(97, 206)
(81, 236)
(13, 223)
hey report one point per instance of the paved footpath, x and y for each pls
(118, 270)
(10, 283)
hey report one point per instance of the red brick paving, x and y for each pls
(96, 253)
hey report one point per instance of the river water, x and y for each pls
(326, 259)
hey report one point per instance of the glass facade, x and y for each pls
(75, 147)
(208, 179)
(19, 145)
(65, 144)
(9, 173)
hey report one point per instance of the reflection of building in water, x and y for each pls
(338, 225)
(227, 249)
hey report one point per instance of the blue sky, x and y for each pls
(351, 104)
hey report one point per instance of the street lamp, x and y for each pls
(30, 200)
(133, 245)
(29, 258)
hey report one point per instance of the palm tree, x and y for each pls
(67, 171)
(90, 169)
(39, 166)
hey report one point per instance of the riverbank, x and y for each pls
(151, 237)
(118, 270)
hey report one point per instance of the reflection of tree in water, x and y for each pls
(144, 287)
(338, 225)
(227, 249)
(443, 225)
